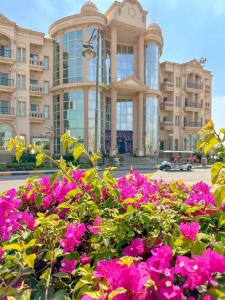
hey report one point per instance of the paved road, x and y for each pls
(188, 177)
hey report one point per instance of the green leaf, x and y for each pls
(116, 292)
(29, 260)
(39, 159)
(198, 248)
(210, 141)
(38, 200)
(215, 171)
(54, 177)
(78, 151)
(219, 196)
(46, 274)
(25, 296)
(61, 295)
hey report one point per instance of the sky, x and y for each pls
(191, 29)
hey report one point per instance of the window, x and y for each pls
(4, 107)
(151, 125)
(46, 112)
(74, 114)
(152, 66)
(177, 101)
(5, 134)
(125, 61)
(34, 107)
(124, 115)
(5, 51)
(43, 142)
(46, 62)
(33, 81)
(20, 82)
(162, 145)
(178, 82)
(177, 120)
(21, 54)
(46, 87)
(72, 56)
(176, 144)
(4, 79)
(56, 122)
(21, 108)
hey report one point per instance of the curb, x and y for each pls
(19, 173)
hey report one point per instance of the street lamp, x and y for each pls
(89, 53)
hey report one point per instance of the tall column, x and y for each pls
(113, 122)
(113, 53)
(141, 58)
(140, 124)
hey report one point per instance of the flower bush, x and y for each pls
(81, 236)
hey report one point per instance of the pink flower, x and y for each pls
(84, 259)
(72, 237)
(190, 230)
(1, 254)
(136, 248)
(95, 228)
(215, 261)
(68, 266)
(28, 219)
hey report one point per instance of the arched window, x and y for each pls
(5, 134)
(176, 144)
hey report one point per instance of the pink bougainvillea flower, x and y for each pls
(1, 254)
(28, 219)
(214, 261)
(190, 230)
(136, 248)
(72, 237)
(95, 228)
(68, 266)
(84, 259)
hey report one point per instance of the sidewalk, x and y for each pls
(33, 173)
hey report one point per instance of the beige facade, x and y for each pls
(143, 106)
(185, 105)
(25, 81)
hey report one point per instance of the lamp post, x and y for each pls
(89, 53)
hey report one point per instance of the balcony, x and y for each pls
(192, 106)
(7, 113)
(166, 125)
(167, 85)
(36, 117)
(36, 65)
(36, 90)
(191, 85)
(192, 125)
(6, 56)
(167, 105)
(6, 85)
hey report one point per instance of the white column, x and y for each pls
(113, 122)
(141, 59)
(140, 124)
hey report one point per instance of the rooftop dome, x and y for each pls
(154, 27)
(89, 6)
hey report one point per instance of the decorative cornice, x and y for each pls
(121, 4)
(76, 85)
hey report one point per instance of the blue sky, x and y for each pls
(191, 29)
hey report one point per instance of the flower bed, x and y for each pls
(83, 237)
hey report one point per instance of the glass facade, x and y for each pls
(72, 56)
(43, 142)
(56, 122)
(73, 107)
(124, 120)
(56, 59)
(152, 66)
(125, 61)
(91, 120)
(92, 62)
(151, 125)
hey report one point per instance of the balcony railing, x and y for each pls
(8, 111)
(166, 124)
(4, 52)
(36, 88)
(193, 124)
(167, 104)
(168, 83)
(36, 115)
(6, 82)
(193, 85)
(193, 104)
(36, 62)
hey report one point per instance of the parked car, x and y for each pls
(177, 160)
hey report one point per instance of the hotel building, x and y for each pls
(144, 106)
